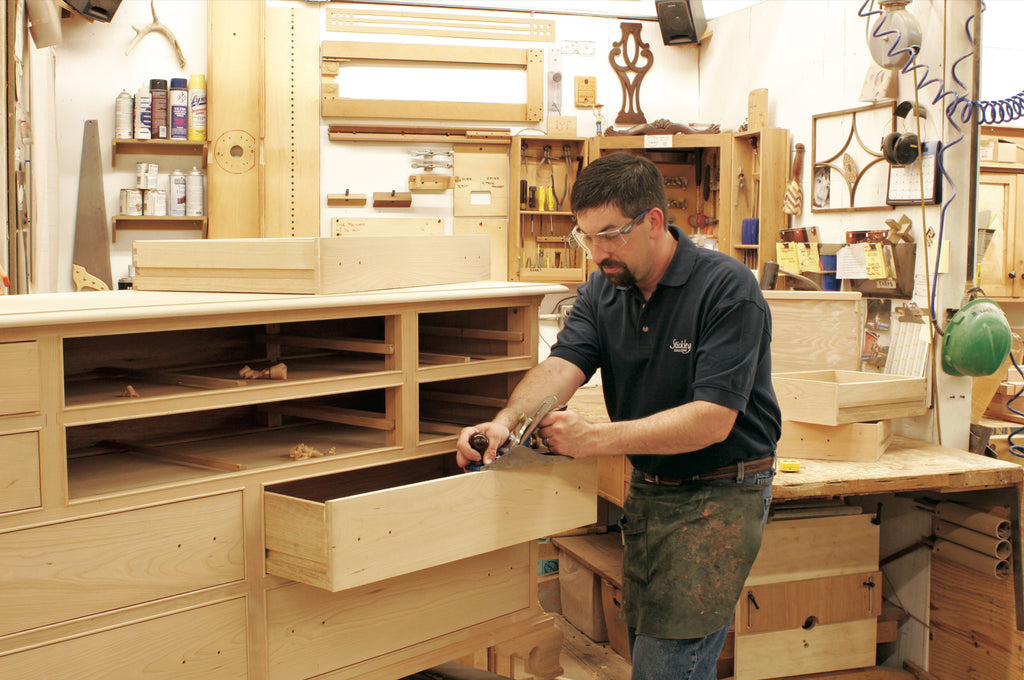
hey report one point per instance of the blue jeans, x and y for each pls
(693, 659)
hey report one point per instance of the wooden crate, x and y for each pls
(834, 397)
(319, 265)
(834, 338)
(856, 442)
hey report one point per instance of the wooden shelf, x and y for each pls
(155, 223)
(158, 147)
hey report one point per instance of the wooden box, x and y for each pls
(352, 528)
(611, 603)
(590, 574)
(833, 340)
(834, 397)
(580, 591)
(309, 265)
(856, 442)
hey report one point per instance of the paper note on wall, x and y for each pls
(874, 261)
(786, 254)
(807, 254)
(850, 263)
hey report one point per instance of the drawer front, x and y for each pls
(19, 471)
(798, 549)
(310, 632)
(208, 642)
(613, 474)
(777, 606)
(19, 375)
(820, 649)
(349, 542)
(71, 569)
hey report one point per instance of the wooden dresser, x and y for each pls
(163, 517)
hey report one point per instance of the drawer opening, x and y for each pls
(122, 455)
(472, 335)
(188, 363)
(450, 405)
(350, 483)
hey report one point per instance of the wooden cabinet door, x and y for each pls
(999, 265)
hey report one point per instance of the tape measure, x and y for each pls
(789, 465)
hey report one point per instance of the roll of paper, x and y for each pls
(993, 566)
(969, 538)
(982, 522)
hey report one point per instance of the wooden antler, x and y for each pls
(156, 27)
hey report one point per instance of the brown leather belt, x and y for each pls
(725, 472)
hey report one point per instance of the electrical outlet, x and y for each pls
(563, 314)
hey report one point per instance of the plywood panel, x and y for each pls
(19, 471)
(386, 226)
(203, 643)
(63, 571)
(291, 145)
(497, 231)
(793, 604)
(482, 187)
(799, 549)
(311, 632)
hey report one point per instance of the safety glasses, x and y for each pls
(608, 240)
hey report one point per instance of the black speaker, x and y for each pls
(682, 21)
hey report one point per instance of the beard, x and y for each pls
(623, 278)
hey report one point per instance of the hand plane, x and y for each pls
(517, 450)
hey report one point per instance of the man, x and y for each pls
(681, 336)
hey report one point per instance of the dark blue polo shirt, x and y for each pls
(704, 335)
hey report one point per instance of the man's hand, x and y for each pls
(465, 454)
(570, 434)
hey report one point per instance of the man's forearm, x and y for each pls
(685, 428)
(552, 376)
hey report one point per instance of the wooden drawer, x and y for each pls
(19, 471)
(198, 644)
(311, 632)
(19, 375)
(797, 604)
(798, 549)
(836, 397)
(349, 529)
(817, 649)
(613, 474)
(63, 571)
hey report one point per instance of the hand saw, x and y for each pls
(516, 451)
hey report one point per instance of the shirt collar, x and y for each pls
(683, 261)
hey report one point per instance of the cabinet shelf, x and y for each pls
(161, 223)
(158, 147)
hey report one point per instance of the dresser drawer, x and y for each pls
(311, 632)
(19, 375)
(800, 651)
(349, 529)
(198, 644)
(797, 549)
(19, 471)
(63, 571)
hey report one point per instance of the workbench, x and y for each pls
(210, 524)
(980, 608)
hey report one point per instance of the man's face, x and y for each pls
(615, 241)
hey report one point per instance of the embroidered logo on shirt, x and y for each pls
(681, 346)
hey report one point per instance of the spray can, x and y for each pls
(177, 194)
(123, 121)
(177, 103)
(158, 126)
(197, 108)
(194, 193)
(143, 113)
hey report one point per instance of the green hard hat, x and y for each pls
(977, 339)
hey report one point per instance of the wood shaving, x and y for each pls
(301, 452)
(130, 392)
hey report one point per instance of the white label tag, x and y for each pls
(657, 141)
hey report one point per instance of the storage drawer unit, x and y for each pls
(354, 528)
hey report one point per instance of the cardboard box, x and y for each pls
(320, 265)
(999, 151)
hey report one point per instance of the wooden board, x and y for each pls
(800, 549)
(455, 56)
(291, 144)
(793, 604)
(835, 646)
(234, 55)
(864, 442)
(497, 231)
(19, 375)
(488, 26)
(816, 330)
(386, 226)
(832, 397)
(19, 475)
(482, 187)
(309, 265)
(601, 553)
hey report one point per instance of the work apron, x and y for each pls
(688, 551)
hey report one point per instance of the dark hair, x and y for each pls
(631, 183)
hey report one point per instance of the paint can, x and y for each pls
(158, 124)
(142, 175)
(143, 113)
(177, 194)
(194, 193)
(123, 121)
(197, 108)
(131, 202)
(177, 102)
(152, 174)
